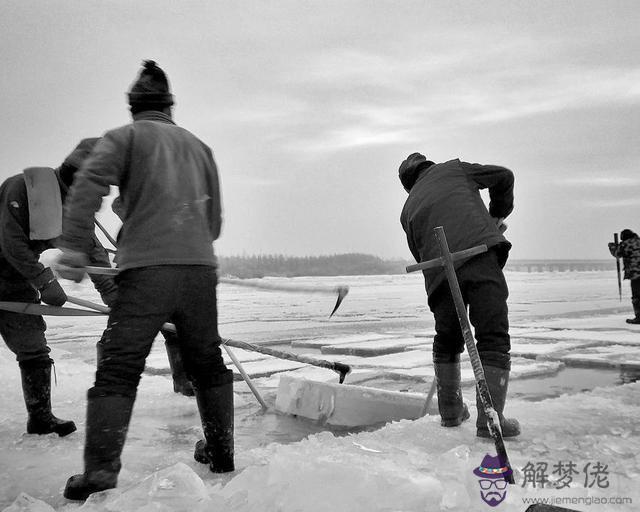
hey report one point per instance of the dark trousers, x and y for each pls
(23, 334)
(635, 295)
(484, 291)
(147, 298)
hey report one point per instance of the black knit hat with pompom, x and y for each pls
(151, 88)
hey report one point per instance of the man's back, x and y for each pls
(447, 195)
(169, 192)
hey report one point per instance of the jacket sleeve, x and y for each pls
(499, 181)
(100, 258)
(216, 199)
(410, 241)
(14, 232)
(105, 167)
(624, 250)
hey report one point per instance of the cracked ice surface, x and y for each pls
(408, 465)
(285, 464)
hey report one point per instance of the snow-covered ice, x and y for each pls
(290, 464)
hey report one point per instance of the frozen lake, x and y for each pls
(569, 337)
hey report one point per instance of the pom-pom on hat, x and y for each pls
(151, 87)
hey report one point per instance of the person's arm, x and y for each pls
(410, 241)
(215, 213)
(16, 247)
(14, 232)
(615, 249)
(104, 285)
(105, 167)
(499, 180)
(625, 249)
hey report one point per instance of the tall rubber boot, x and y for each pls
(498, 383)
(36, 388)
(181, 383)
(107, 424)
(215, 404)
(636, 310)
(452, 409)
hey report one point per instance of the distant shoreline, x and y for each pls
(256, 266)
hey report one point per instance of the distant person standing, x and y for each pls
(171, 213)
(629, 250)
(448, 195)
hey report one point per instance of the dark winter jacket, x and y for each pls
(169, 194)
(448, 195)
(19, 254)
(629, 251)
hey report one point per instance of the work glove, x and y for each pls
(50, 290)
(71, 265)
(613, 248)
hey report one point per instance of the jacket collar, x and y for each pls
(153, 115)
(424, 168)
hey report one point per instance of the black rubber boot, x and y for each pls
(636, 310)
(452, 409)
(107, 423)
(498, 383)
(215, 404)
(181, 383)
(36, 388)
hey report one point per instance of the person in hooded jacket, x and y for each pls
(629, 250)
(448, 195)
(30, 223)
(171, 215)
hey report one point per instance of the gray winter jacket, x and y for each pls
(169, 193)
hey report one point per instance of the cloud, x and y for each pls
(569, 89)
(346, 97)
(599, 181)
(611, 202)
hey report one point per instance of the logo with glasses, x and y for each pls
(491, 475)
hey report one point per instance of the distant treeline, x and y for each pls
(366, 264)
(294, 266)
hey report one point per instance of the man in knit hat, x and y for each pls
(170, 199)
(448, 195)
(30, 222)
(629, 250)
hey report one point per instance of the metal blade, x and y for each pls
(342, 293)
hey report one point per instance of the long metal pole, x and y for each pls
(246, 377)
(105, 233)
(172, 328)
(340, 368)
(615, 241)
(493, 421)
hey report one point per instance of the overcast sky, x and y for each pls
(310, 106)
